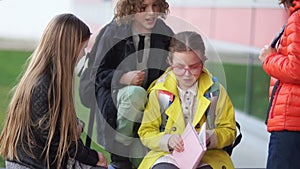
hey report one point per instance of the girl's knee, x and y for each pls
(137, 95)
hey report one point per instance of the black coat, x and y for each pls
(39, 107)
(116, 55)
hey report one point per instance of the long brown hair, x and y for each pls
(57, 53)
(126, 8)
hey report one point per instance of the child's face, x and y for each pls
(146, 17)
(187, 66)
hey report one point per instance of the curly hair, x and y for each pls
(126, 8)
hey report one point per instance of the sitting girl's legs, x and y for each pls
(164, 166)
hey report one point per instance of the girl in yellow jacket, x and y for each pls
(185, 83)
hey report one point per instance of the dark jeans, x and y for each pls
(284, 150)
(123, 160)
(171, 166)
(120, 162)
(164, 166)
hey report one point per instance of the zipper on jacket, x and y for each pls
(275, 96)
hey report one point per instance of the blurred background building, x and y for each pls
(245, 22)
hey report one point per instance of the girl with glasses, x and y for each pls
(186, 82)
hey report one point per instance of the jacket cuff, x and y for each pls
(163, 143)
(116, 79)
(84, 154)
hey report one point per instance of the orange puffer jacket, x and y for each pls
(285, 66)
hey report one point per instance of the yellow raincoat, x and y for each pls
(225, 131)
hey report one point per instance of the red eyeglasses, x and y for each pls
(181, 70)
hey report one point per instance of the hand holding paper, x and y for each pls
(194, 147)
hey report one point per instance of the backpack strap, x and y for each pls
(212, 94)
(237, 141)
(239, 137)
(278, 36)
(165, 99)
(87, 80)
(86, 85)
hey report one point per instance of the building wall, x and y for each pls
(246, 26)
(246, 22)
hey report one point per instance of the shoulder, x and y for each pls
(292, 33)
(162, 28)
(109, 29)
(111, 34)
(293, 21)
(115, 30)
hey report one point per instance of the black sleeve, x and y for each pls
(39, 108)
(84, 154)
(109, 54)
(104, 64)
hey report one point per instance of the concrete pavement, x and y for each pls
(253, 150)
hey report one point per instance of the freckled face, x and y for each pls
(145, 18)
(190, 64)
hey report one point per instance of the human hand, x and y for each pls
(102, 160)
(80, 126)
(265, 51)
(135, 77)
(175, 142)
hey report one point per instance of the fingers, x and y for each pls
(262, 58)
(265, 51)
(138, 78)
(176, 143)
(133, 78)
(102, 160)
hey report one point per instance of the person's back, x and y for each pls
(125, 66)
(41, 129)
